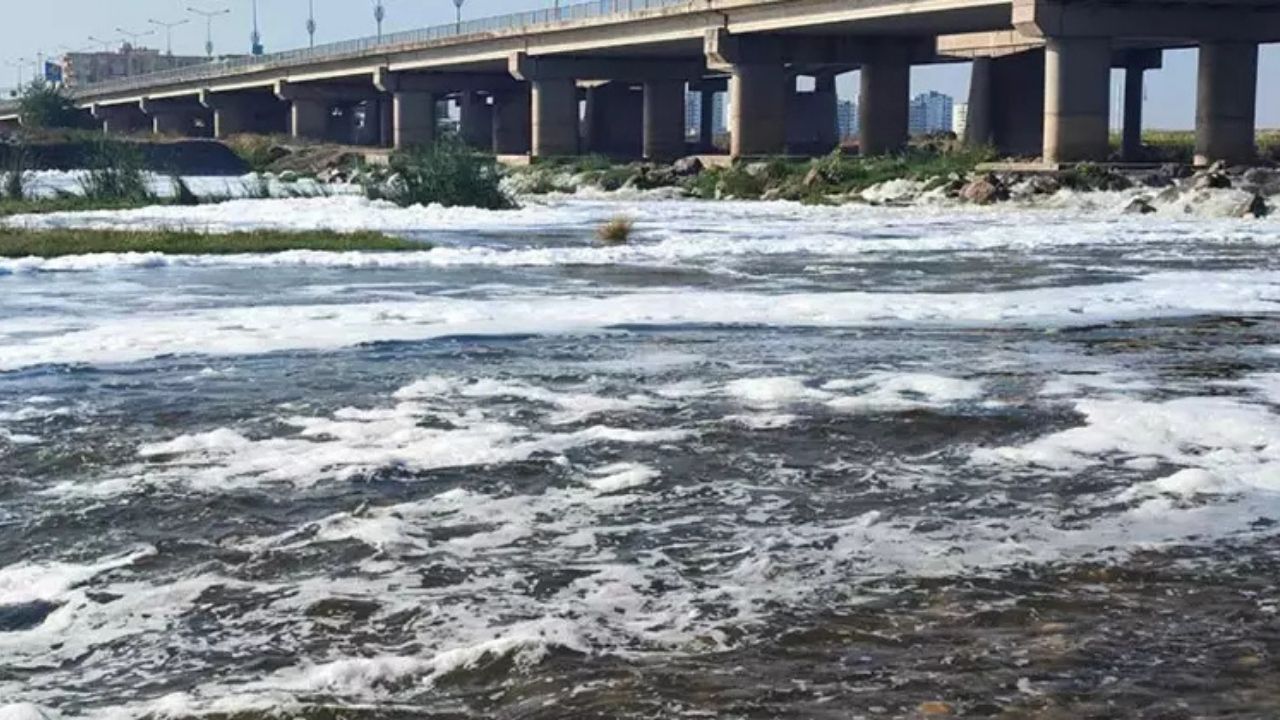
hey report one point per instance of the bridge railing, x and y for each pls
(514, 22)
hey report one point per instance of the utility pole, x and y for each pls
(379, 14)
(457, 4)
(255, 39)
(311, 22)
(208, 16)
(168, 31)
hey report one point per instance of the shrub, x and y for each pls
(115, 172)
(15, 174)
(615, 232)
(447, 173)
(41, 105)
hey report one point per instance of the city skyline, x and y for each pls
(282, 23)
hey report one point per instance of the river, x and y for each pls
(764, 461)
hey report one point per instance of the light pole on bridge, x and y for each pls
(208, 16)
(168, 31)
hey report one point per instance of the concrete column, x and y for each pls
(663, 119)
(120, 119)
(885, 107)
(758, 97)
(386, 123)
(1131, 139)
(309, 119)
(707, 121)
(413, 121)
(475, 120)
(171, 123)
(1226, 103)
(554, 118)
(978, 131)
(827, 123)
(614, 122)
(1077, 99)
(511, 114)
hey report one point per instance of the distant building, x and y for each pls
(83, 68)
(960, 119)
(847, 119)
(693, 114)
(931, 112)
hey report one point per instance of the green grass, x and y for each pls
(16, 242)
(1179, 145)
(73, 203)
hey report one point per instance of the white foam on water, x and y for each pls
(26, 711)
(896, 392)
(771, 392)
(620, 477)
(1222, 445)
(250, 330)
(52, 581)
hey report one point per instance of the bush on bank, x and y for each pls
(448, 173)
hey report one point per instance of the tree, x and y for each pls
(42, 105)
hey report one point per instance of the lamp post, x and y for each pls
(132, 37)
(208, 16)
(311, 21)
(255, 38)
(379, 14)
(106, 44)
(18, 64)
(168, 32)
(457, 4)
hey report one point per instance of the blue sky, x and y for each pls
(31, 27)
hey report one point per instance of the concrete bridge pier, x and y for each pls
(475, 120)
(414, 118)
(884, 110)
(120, 119)
(758, 96)
(1226, 103)
(312, 106)
(1006, 104)
(664, 119)
(812, 126)
(1077, 98)
(236, 112)
(554, 117)
(511, 112)
(613, 123)
(178, 116)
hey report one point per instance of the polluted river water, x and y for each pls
(763, 461)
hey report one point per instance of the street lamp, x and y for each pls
(255, 39)
(208, 16)
(379, 14)
(168, 31)
(457, 4)
(311, 21)
(106, 44)
(133, 36)
(17, 64)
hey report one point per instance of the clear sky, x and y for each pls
(37, 27)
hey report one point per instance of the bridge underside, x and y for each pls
(618, 85)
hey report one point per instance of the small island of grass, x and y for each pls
(19, 243)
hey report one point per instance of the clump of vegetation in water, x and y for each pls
(14, 184)
(17, 242)
(448, 173)
(45, 106)
(836, 174)
(115, 172)
(615, 232)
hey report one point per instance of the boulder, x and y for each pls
(687, 167)
(1264, 181)
(1211, 180)
(757, 169)
(984, 191)
(1139, 206)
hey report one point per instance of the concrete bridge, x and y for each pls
(1040, 86)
